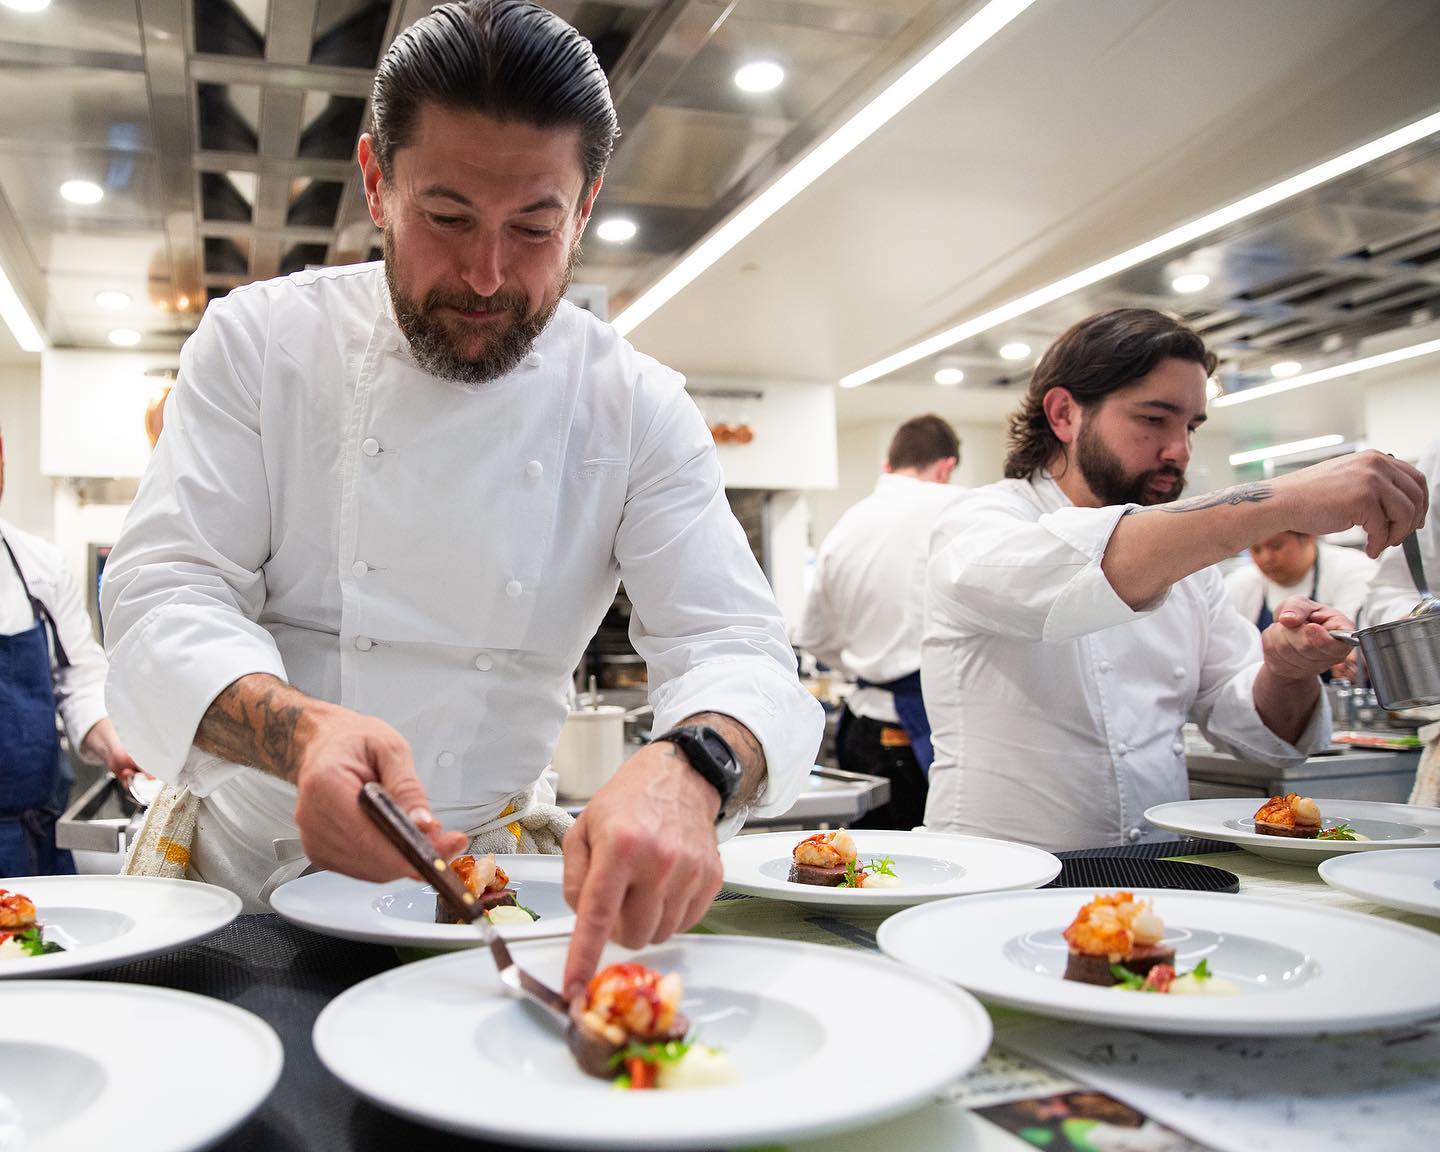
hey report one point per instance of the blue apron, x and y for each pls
(29, 746)
(910, 708)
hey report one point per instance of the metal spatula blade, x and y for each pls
(403, 832)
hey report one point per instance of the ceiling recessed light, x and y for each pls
(125, 337)
(112, 300)
(616, 230)
(1190, 282)
(1284, 369)
(26, 5)
(82, 191)
(759, 76)
(949, 377)
(1016, 350)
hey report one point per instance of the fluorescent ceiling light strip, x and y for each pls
(829, 152)
(17, 317)
(1175, 238)
(1293, 448)
(1429, 347)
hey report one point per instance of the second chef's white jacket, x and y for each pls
(321, 509)
(866, 609)
(1055, 708)
(1345, 575)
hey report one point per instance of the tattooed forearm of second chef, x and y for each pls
(254, 722)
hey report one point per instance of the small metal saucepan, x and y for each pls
(1403, 656)
(1403, 660)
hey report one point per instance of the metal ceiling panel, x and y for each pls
(105, 26)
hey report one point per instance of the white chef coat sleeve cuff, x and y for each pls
(1236, 725)
(1088, 603)
(780, 714)
(80, 715)
(167, 670)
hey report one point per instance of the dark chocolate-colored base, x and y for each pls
(1096, 969)
(446, 914)
(820, 877)
(594, 1052)
(1299, 832)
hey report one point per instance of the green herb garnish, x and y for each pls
(1201, 971)
(670, 1052)
(1339, 832)
(530, 911)
(621, 1081)
(855, 873)
(33, 944)
(1126, 978)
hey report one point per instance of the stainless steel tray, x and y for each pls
(102, 819)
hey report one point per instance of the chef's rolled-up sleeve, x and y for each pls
(184, 584)
(703, 616)
(999, 566)
(1224, 708)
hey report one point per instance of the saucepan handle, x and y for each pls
(1346, 638)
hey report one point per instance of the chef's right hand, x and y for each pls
(342, 752)
(1386, 497)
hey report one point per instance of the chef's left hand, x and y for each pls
(1298, 646)
(641, 862)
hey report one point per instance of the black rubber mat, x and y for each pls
(1127, 872)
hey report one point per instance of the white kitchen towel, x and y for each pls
(1427, 775)
(529, 822)
(167, 834)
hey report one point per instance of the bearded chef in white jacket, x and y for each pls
(392, 502)
(1074, 618)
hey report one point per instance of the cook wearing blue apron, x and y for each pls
(29, 745)
(1266, 617)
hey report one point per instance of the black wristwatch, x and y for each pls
(709, 754)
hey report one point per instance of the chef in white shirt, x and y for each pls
(49, 664)
(1297, 564)
(1074, 621)
(1392, 592)
(392, 502)
(865, 613)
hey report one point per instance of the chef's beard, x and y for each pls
(1107, 479)
(435, 350)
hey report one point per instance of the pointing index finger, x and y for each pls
(595, 916)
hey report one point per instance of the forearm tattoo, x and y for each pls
(1239, 494)
(252, 727)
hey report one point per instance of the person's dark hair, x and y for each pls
(1094, 358)
(509, 59)
(920, 442)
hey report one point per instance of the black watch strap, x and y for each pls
(710, 755)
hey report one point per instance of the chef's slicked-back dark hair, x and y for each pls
(509, 59)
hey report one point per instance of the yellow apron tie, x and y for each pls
(514, 826)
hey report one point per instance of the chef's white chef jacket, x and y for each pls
(1055, 708)
(1392, 593)
(866, 608)
(1344, 576)
(321, 509)
(80, 688)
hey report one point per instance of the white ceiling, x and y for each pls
(1081, 129)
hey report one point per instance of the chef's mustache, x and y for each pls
(472, 302)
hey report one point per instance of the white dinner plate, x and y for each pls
(1408, 880)
(821, 1038)
(102, 921)
(402, 912)
(127, 1067)
(1300, 969)
(929, 865)
(1384, 825)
